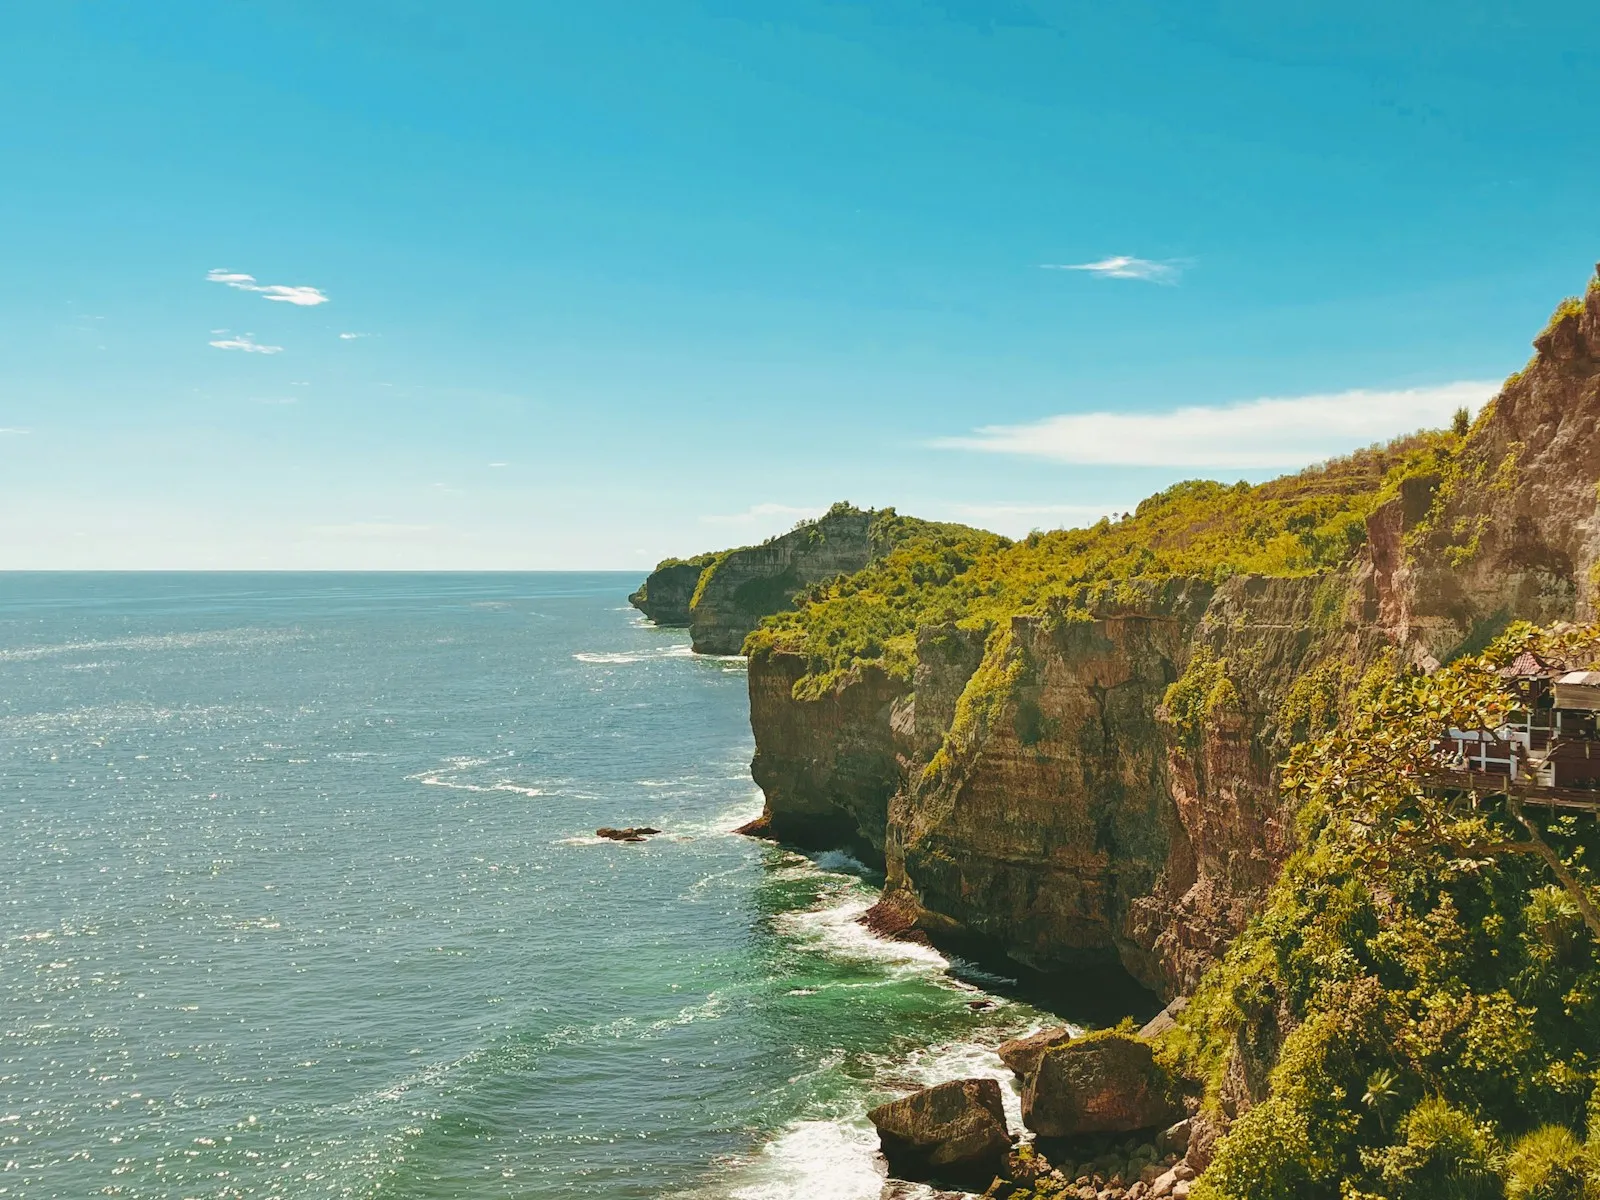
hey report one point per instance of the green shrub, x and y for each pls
(1445, 1153)
(1201, 691)
(1548, 1164)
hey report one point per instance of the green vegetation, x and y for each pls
(699, 560)
(1569, 309)
(1424, 982)
(886, 530)
(1004, 666)
(937, 574)
(1201, 692)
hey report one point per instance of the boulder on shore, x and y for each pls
(1022, 1054)
(954, 1133)
(1105, 1083)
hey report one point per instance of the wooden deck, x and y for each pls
(1481, 783)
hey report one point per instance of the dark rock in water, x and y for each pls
(952, 1134)
(761, 827)
(1108, 1083)
(630, 834)
(1022, 1054)
(895, 918)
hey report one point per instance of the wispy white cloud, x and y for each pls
(1266, 433)
(1125, 266)
(372, 529)
(352, 336)
(761, 514)
(245, 342)
(301, 295)
(499, 464)
(11, 430)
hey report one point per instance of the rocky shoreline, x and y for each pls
(1102, 1120)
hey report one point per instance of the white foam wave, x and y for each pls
(841, 860)
(837, 930)
(813, 1160)
(137, 714)
(973, 973)
(708, 1010)
(457, 785)
(455, 766)
(724, 821)
(716, 879)
(623, 657)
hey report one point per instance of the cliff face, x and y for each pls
(1515, 533)
(827, 766)
(1036, 798)
(722, 597)
(665, 596)
(1045, 816)
(1037, 788)
(746, 585)
(1259, 642)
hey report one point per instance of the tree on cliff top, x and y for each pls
(1422, 990)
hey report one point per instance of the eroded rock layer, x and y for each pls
(1040, 787)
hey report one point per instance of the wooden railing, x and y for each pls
(1481, 783)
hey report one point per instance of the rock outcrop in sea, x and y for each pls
(953, 1133)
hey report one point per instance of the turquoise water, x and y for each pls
(299, 897)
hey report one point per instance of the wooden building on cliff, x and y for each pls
(1551, 741)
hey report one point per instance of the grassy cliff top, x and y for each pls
(886, 529)
(1295, 525)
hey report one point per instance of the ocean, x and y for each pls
(300, 896)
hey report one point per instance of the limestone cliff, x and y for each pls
(1038, 786)
(827, 767)
(742, 586)
(666, 595)
(1514, 532)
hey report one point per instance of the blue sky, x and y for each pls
(632, 279)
